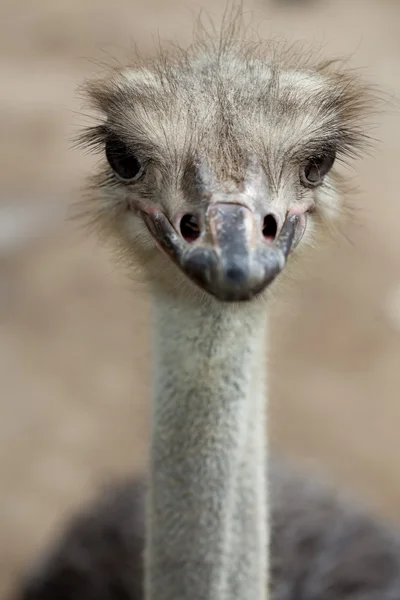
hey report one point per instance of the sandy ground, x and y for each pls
(74, 349)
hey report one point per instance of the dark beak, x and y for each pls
(230, 259)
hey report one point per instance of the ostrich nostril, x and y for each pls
(190, 228)
(270, 228)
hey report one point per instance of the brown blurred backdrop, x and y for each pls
(74, 348)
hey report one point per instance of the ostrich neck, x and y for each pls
(207, 523)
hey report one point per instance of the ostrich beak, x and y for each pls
(230, 259)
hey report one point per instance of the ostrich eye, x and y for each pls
(316, 168)
(121, 159)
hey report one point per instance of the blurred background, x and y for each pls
(74, 348)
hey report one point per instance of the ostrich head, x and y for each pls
(218, 162)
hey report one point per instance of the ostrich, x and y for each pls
(216, 179)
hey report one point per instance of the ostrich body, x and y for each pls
(323, 547)
(217, 170)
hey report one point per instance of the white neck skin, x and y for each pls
(207, 535)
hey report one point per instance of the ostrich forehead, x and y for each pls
(228, 105)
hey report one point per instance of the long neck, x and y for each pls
(207, 519)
